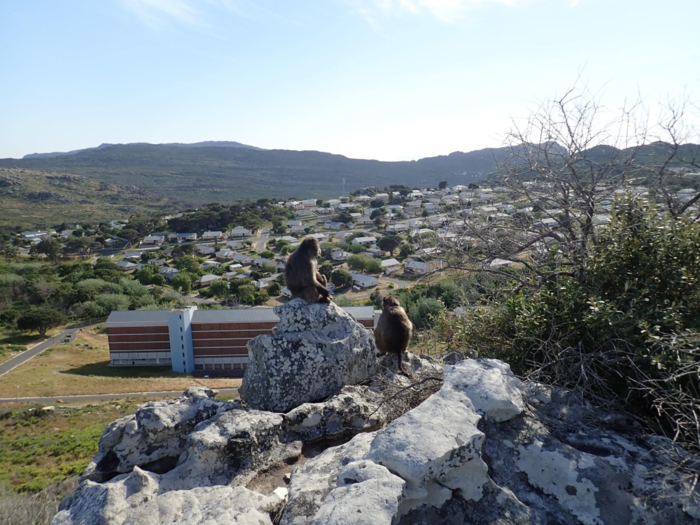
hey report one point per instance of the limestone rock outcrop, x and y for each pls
(463, 443)
(315, 351)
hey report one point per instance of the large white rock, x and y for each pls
(134, 498)
(490, 385)
(316, 350)
(484, 449)
(312, 481)
(231, 448)
(154, 436)
(366, 493)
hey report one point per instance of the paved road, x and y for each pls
(397, 282)
(68, 335)
(261, 243)
(105, 397)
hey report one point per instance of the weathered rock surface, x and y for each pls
(315, 351)
(483, 449)
(154, 437)
(528, 454)
(135, 498)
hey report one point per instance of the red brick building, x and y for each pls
(191, 340)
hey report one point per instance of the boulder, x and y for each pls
(489, 449)
(485, 448)
(135, 498)
(315, 350)
(154, 437)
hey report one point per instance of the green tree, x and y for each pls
(219, 289)
(40, 319)
(357, 262)
(49, 247)
(188, 264)
(113, 301)
(182, 282)
(373, 265)
(341, 278)
(442, 184)
(326, 269)
(389, 243)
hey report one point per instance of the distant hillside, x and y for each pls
(39, 199)
(203, 172)
(172, 176)
(209, 143)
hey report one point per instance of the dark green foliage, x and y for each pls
(627, 330)
(341, 278)
(364, 264)
(49, 247)
(389, 243)
(40, 319)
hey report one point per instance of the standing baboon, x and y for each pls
(303, 279)
(394, 330)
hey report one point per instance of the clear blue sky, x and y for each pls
(384, 79)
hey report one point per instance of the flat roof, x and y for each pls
(360, 312)
(232, 315)
(236, 315)
(138, 317)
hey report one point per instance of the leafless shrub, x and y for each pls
(34, 509)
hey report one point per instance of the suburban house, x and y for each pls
(243, 259)
(500, 263)
(418, 267)
(364, 240)
(390, 266)
(132, 254)
(340, 255)
(169, 272)
(126, 265)
(209, 264)
(186, 237)
(203, 249)
(225, 254)
(207, 279)
(262, 260)
(212, 235)
(364, 281)
(240, 231)
(153, 239)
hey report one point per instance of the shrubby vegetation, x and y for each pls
(36, 297)
(624, 328)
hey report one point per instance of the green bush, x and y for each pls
(624, 328)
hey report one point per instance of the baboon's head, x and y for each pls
(390, 301)
(311, 246)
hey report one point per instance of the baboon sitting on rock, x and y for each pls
(302, 276)
(394, 330)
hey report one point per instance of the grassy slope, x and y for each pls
(39, 199)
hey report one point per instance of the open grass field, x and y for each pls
(38, 447)
(80, 368)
